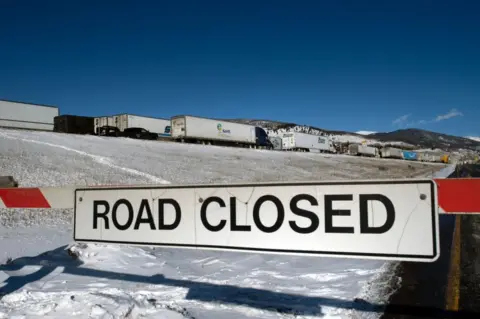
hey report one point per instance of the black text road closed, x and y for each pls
(394, 220)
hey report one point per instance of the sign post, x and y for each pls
(386, 219)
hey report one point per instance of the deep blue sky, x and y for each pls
(351, 65)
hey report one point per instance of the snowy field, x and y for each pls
(40, 279)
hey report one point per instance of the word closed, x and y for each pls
(364, 219)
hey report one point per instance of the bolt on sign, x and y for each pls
(387, 219)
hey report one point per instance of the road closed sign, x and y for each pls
(391, 220)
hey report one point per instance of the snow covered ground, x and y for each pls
(40, 279)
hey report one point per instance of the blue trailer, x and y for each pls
(410, 156)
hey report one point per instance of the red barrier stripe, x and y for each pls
(23, 198)
(455, 195)
(459, 195)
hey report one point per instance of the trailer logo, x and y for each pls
(221, 130)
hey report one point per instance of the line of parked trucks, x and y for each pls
(200, 130)
(392, 152)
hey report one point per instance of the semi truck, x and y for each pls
(391, 152)
(363, 150)
(432, 157)
(194, 129)
(103, 121)
(296, 141)
(74, 124)
(276, 142)
(155, 125)
(159, 126)
(409, 155)
(28, 116)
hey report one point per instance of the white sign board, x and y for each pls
(392, 220)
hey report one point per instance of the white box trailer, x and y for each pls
(302, 141)
(429, 157)
(199, 129)
(27, 116)
(103, 121)
(365, 150)
(155, 125)
(391, 152)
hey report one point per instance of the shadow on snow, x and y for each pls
(251, 297)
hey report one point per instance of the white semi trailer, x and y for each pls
(363, 150)
(194, 129)
(98, 122)
(429, 157)
(28, 116)
(391, 152)
(155, 125)
(123, 121)
(296, 141)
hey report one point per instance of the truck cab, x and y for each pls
(262, 138)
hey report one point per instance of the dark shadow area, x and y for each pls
(470, 254)
(470, 260)
(52, 259)
(227, 294)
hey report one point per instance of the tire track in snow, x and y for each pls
(99, 159)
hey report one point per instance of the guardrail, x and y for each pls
(455, 195)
